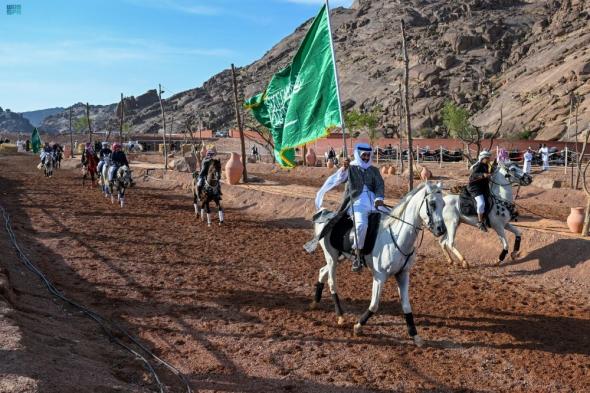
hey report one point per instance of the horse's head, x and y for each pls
(431, 209)
(513, 173)
(124, 175)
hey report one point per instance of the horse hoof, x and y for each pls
(313, 305)
(358, 329)
(514, 255)
(465, 265)
(418, 341)
(341, 320)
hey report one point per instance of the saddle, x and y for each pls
(468, 206)
(340, 227)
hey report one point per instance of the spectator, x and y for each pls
(528, 160)
(544, 152)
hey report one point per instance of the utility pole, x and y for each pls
(71, 134)
(407, 108)
(122, 115)
(164, 131)
(400, 132)
(239, 118)
(88, 119)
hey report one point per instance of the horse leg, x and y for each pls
(319, 287)
(403, 284)
(442, 244)
(220, 212)
(450, 244)
(196, 203)
(122, 197)
(208, 215)
(517, 238)
(375, 297)
(502, 235)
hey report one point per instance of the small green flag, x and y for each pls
(36, 141)
(300, 104)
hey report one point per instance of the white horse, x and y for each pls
(500, 214)
(104, 176)
(393, 253)
(121, 182)
(49, 164)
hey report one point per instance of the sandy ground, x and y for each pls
(229, 305)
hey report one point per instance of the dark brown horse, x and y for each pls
(210, 191)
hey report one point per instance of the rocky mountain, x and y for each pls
(526, 57)
(37, 117)
(13, 122)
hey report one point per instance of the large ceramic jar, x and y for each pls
(575, 221)
(384, 170)
(391, 170)
(330, 163)
(203, 152)
(310, 158)
(425, 174)
(234, 169)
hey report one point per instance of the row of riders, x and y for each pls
(111, 167)
(382, 238)
(51, 157)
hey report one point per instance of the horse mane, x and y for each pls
(398, 210)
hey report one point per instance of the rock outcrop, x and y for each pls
(13, 122)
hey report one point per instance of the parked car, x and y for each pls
(221, 134)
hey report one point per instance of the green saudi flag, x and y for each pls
(300, 104)
(36, 141)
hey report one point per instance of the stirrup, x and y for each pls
(357, 263)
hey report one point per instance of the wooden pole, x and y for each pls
(441, 157)
(88, 119)
(164, 131)
(400, 134)
(586, 226)
(581, 157)
(407, 107)
(71, 134)
(122, 115)
(239, 119)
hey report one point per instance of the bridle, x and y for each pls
(417, 229)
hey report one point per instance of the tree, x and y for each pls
(456, 120)
(80, 125)
(367, 121)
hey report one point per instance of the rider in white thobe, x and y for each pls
(365, 187)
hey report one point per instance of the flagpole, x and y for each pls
(343, 130)
(337, 79)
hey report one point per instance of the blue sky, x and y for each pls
(59, 52)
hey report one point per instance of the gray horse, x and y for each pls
(503, 177)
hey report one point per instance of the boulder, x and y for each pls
(446, 62)
(422, 72)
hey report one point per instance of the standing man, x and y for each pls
(528, 160)
(544, 152)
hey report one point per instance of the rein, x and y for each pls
(416, 228)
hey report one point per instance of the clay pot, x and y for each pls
(330, 163)
(234, 169)
(391, 170)
(310, 158)
(204, 152)
(384, 170)
(575, 221)
(425, 174)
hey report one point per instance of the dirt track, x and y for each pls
(228, 305)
